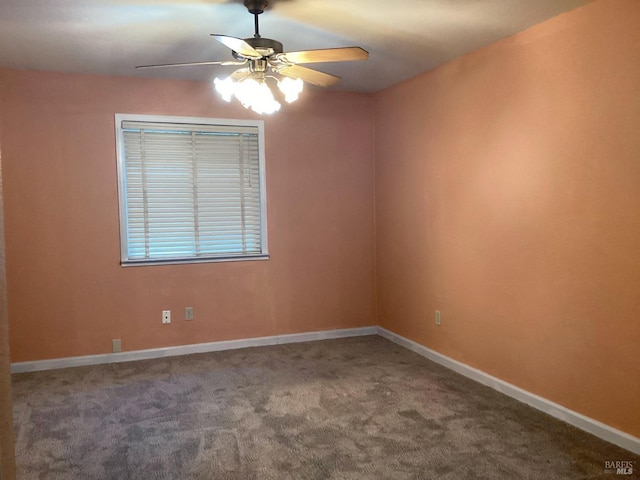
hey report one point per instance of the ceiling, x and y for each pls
(403, 37)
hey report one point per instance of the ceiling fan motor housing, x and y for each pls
(256, 7)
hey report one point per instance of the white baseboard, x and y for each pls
(576, 419)
(599, 429)
(39, 365)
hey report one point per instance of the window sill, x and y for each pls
(182, 261)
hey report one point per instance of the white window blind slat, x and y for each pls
(190, 191)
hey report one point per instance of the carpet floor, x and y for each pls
(355, 408)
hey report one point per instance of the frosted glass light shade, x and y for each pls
(254, 93)
(290, 88)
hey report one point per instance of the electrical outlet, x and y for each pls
(438, 318)
(166, 316)
(188, 313)
(116, 345)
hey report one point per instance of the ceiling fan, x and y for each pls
(264, 56)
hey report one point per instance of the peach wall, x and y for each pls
(7, 449)
(68, 294)
(508, 197)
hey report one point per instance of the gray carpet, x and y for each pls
(357, 408)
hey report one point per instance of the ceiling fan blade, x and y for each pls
(190, 64)
(309, 75)
(345, 54)
(238, 45)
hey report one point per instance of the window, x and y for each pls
(190, 189)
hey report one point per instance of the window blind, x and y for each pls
(192, 191)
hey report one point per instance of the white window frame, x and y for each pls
(122, 191)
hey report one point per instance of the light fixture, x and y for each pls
(264, 63)
(249, 86)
